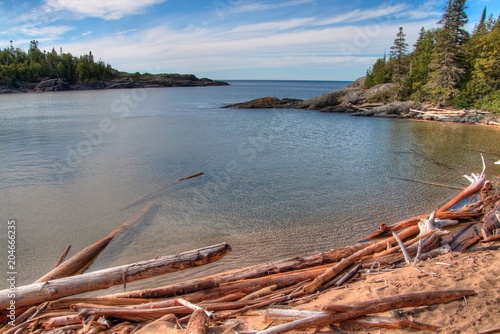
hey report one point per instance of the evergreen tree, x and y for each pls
(398, 57)
(377, 75)
(448, 58)
(419, 64)
(484, 56)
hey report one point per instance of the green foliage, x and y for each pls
(18, 67)
(490, 102)
(398, 58)
(448, 66)
(420, 60)
(377, 75)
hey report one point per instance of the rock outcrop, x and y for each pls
(267, 102)
(355, 99)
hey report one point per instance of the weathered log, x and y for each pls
(193, 307)
(198, 323)
(60, 321)
(471, 242)
(348, 312)
(476, 185)
(165, 324)
(491, 238)
(63, 287)
(385, 322)
(261, 270)
(83, 259)
(260, 293)
(332, 272)
(386, 230)
(142, 314)
(348, 276)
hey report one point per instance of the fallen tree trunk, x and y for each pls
(331, 273)
(476, 185)
(348, 312)
(266, 269)
(46, 291)
(83, 259)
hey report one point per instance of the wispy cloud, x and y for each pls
(104, 9)
(230, 7)
(430, 8)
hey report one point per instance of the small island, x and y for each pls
(42, 71)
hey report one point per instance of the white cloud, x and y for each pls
(104, 9)
(42, 34)
(244, 6)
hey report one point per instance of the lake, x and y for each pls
(276, 183)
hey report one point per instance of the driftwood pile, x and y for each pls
(212, 303)
(432, 112)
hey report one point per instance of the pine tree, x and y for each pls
(398, 57)
(377, 75)
(484, 56)
(419, 64)
(448, 58)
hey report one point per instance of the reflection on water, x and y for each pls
(277, 183)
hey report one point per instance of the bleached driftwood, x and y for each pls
(40, 292)
(338, 313)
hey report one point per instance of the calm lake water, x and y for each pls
(277, 183)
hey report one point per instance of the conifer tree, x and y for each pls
(419, 64)
(448, 58)
(377, 75)
(398, 57)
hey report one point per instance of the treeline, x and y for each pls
(448, 66)
(18, 67)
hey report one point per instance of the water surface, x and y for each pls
(277, 183)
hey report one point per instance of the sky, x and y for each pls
(227, 39)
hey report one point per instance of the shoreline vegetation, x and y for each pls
(42, 71)
(432, 272)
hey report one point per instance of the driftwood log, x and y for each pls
(338, 313)
(55, 289)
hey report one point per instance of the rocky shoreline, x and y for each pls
(121, 82)
(378, 101)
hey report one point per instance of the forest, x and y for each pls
(448, 66)
(18, 67)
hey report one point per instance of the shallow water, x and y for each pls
(276, 183)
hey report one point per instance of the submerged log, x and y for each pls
(51, 290)
(83, 259)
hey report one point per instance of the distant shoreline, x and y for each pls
(123, 81)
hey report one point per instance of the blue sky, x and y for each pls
(226, 39)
